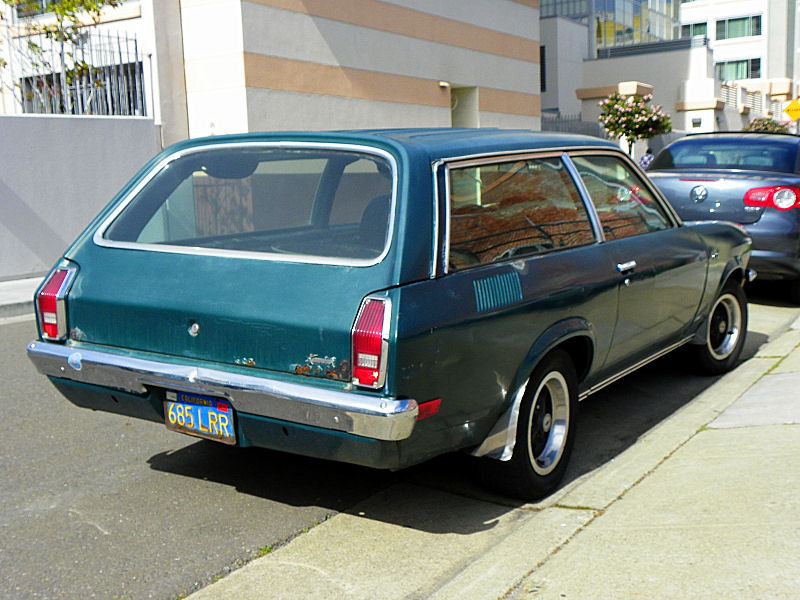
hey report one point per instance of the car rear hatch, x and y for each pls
(254, 257)
(705, 195)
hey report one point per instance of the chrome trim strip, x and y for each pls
(437, 217)
(99, 240)
(448, 219)
(523, 154)
(359, 414)
(499, 443)
(597, 387)
(594, 218)
(663, 203)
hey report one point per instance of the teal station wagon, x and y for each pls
(383, 297)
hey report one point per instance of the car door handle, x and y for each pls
(626, 266)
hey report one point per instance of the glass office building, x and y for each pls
(617, 23)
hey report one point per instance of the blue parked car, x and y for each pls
(749, 178)
(383, 297)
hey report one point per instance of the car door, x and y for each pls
(521, 261)
(661, 265)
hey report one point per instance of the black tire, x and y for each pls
(725, 330)
(545, 433)
(794, 291)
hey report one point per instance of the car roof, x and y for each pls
(436, 143)
(750, 135)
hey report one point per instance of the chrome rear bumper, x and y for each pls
(348, 411)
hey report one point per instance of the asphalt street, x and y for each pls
(98, 505)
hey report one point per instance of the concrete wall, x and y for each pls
(56, 174)
(566, 46)
(277, 64)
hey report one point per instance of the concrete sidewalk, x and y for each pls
(704, 505)
(16, 296)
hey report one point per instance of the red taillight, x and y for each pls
(51, 306)
(780, 197)
(370, 344)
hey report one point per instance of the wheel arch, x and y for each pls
(575, 337)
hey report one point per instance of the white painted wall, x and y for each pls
(214, 66)
(69, 170)
(566, 47)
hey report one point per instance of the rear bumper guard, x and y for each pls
(350, 412)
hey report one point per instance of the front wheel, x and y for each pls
(725, 331)
(545, 433)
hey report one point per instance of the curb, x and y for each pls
(16, 309)
(336, 558)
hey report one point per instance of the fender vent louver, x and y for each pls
(496, 291)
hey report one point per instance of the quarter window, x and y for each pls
(513, 209)
(624, 205)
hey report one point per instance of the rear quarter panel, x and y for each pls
(473, 349)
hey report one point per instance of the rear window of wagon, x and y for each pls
(296, 203)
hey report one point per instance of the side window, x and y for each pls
(514, 209)
(624, 205)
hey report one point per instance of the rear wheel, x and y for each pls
(794, 291)
(545, 433)
(725, 331)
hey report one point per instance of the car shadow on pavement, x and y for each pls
(610, 422)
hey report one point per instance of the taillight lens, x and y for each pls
(51, 306)
(370, 343)
(780, 197)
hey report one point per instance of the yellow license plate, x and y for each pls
(201, 416)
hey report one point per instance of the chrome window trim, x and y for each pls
(666, 207)
(99, 240)
(502, 157)
(594, 218)
(437, 217)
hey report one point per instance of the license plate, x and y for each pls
(201, 416)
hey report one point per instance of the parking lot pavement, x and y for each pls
(704, 505)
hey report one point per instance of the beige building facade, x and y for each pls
(323, 64)
(229, 66)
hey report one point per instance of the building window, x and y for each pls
(31, 8)
(738, 69)
(542, 72)
(694, 29)
(741, 27)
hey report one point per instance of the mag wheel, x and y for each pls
(545, 433)
(725, 331)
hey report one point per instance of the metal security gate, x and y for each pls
(86, 73)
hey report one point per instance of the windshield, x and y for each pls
(286, 201)
(729, 153)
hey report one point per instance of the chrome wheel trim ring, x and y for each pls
(557, 421)
(724, 327)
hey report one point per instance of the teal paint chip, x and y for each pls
(496, 291)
